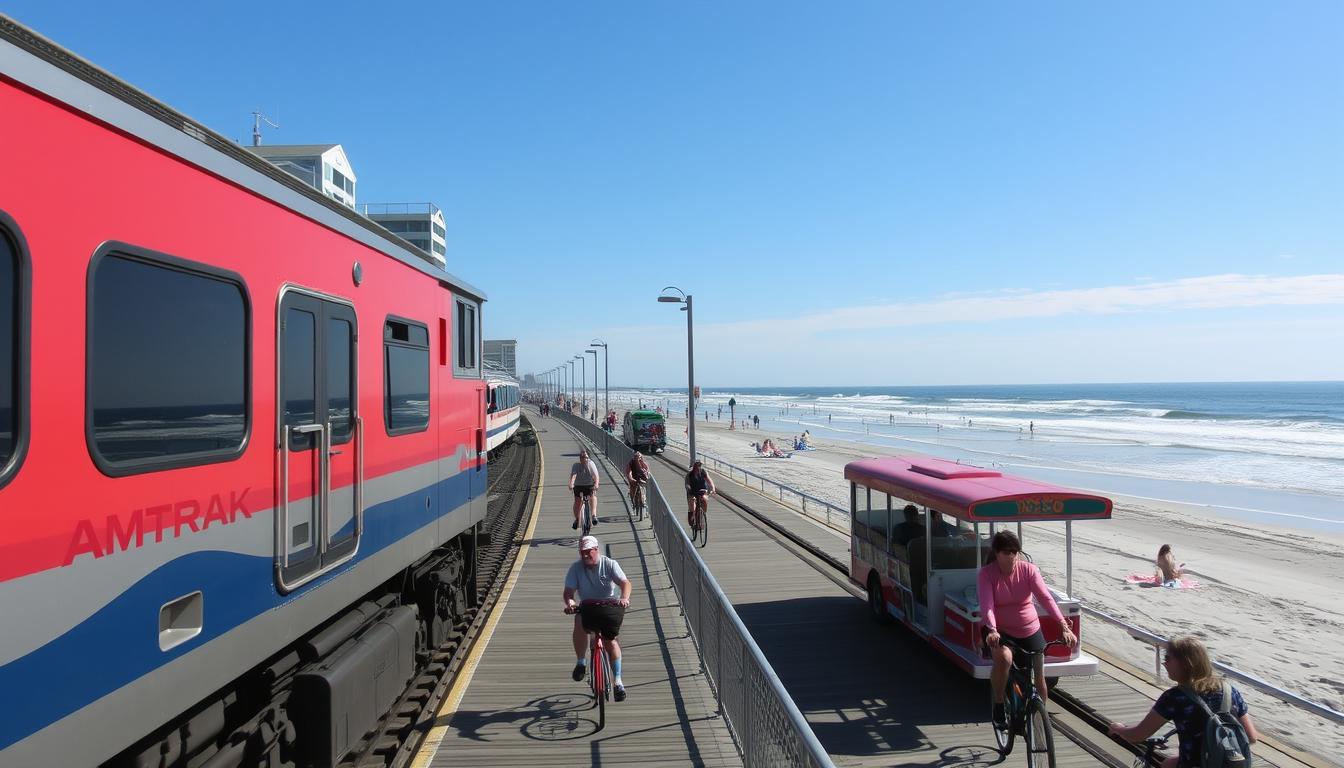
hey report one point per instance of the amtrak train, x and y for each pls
(242, 440)
(502, 412)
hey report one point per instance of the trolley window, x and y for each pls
(167, 362)
(406, 377)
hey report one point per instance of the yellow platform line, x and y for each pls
(430, 747)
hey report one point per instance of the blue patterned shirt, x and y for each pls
(1175, 705)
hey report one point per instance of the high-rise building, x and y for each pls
(323, 167)
(421, 224)
(502, 354)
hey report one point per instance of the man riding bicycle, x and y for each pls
(699, 486)
(603, 593)
(583, 481)
(636, 472)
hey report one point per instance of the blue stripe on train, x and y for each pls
(119, 643)
(510, 425)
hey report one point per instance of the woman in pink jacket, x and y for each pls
(1005, 587)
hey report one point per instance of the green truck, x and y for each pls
(645, 431)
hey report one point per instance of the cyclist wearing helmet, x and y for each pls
(699, 485)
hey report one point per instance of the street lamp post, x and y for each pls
(569, 378)
(606, 373)
(593, 352)
(583, 381)
(690, 361)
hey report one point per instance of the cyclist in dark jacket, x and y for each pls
(699, 485)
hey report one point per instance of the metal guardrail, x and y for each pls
(769, 727)
(833, 516)
(1157, 642)
(377, 209)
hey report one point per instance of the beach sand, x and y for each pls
(1270, 601)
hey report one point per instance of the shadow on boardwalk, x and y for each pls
(895, 694)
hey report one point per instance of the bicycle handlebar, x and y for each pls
(1159, 742)
(1011, 643)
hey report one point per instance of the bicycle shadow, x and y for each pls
(556, 717)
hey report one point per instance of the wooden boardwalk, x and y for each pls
(874, 695)
(906, 696)
(520, 706)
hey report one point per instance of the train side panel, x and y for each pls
(89, 560)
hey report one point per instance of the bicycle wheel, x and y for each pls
(598, 675)
(704, 525)
(639, 505)
(1040, 736)
(587, 517)
(1003, 737)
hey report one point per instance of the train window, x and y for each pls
(167, 362)
(300, 374)
(12, 374)
(466, 338)
(340, 372)
(406, 376)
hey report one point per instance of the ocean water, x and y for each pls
(1268, 452)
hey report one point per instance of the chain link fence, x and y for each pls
(769, 728)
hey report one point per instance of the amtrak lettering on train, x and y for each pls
(242, 449)
(121, 534)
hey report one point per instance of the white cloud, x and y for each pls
(976, 341)
(1211, 292)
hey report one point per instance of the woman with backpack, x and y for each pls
(1198, 706)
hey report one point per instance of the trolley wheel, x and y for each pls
(877, 607)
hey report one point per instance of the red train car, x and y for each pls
(241, 439)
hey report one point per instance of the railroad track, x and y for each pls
(1093, 723)
(513, 475)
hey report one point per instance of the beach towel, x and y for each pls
(1150, 580)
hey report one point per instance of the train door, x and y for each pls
(319, 437)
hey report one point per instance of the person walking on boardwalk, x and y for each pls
(597, 592)
(583, 481)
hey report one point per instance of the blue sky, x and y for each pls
(858, 193)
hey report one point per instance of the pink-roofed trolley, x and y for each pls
(921, 567)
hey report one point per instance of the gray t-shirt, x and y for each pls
(601, 582)
(585, 473)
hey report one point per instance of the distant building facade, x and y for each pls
(502, 354)
(323, 167)
(421, 224)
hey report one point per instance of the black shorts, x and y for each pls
(582, 490)
(1034, 643)
(603, 618)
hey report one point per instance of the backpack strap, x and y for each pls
(1226, 705)
(1204, 705)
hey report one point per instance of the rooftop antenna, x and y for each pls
(257, 120)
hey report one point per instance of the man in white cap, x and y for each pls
(598, 592)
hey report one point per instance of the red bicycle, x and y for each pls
(699, 518)
(599, 664)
